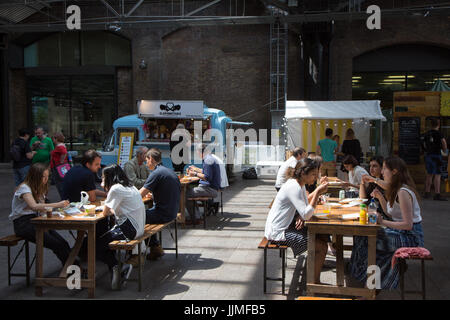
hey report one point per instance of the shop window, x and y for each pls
(78, 48)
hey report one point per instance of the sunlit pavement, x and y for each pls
(223, 262)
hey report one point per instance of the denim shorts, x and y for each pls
(433, 163)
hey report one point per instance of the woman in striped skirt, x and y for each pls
(283, 226)
(405, 229)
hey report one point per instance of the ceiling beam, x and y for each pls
(202, 8)
(110, 8)
(137, 5)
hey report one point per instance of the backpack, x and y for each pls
(15, 152)
(427, 141)
(250, 173)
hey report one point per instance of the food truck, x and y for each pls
(153, 125)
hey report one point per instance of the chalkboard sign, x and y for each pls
(409, 139)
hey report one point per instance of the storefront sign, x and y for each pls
(125, 148)
(445, 104)
(170, 109)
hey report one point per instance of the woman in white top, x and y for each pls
(283, 226)
(405, 229)
(125, 203)
(355, 175)
(28, 201)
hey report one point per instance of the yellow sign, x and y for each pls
(125, 148)
(445, 104)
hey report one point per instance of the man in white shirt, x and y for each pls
(289, 165)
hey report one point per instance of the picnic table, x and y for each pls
(185, 182)
(83, 224)
(334, 224)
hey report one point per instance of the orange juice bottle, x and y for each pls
(362, 214)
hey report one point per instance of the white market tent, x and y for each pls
(306, 121)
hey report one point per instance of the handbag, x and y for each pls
(62, 169)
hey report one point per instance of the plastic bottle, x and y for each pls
(362, 214)
(372, 212)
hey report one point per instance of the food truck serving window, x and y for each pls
(160, 130)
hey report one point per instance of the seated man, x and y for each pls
(136, 169)
(82, 178)
(209, 182)
(165, 186)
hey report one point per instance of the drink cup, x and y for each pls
(49, 212)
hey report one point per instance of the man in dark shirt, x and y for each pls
(165, 187)
(82, 178)
(433, 142)
(209, 184)
(22, 164)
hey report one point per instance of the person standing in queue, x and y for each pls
(326, 148)
(21, 156)
(165, 187)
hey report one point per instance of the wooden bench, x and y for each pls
(149, 230)
(402, 271)
(306, 298)
(267, 245)
(204, 201)
(12, 241)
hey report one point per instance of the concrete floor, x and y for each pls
(223, 262)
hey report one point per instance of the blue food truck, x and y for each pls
(155, 122)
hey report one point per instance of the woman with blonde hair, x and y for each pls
(28, 201)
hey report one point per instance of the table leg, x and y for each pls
(371, 260)
(73, 254)
(91, 260)
(182, 203)
(310, 262)
(339, 260)
(39, 258)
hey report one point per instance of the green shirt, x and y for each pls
(43, 151)
(327, 147)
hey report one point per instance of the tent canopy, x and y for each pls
(362, 109)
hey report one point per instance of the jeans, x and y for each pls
(105, 236)
(154, 216)
(200, 191)
(52, 239)
(20, 174)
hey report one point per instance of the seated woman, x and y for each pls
(372, 182)
(28, 200)
(401, 203)
(125, 203)
(282, 228)
(355, 174)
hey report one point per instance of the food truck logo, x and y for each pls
(170, 108)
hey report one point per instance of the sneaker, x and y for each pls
(426, 195)
(438, 197)
(126, 271)
(115, 278)
(134, 260)
(155, 253)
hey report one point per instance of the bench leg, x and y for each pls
(265, 270)
(27, 261)
(160, 239)
(423, 279)
(221, 203)
(402, 279)
(193, 219)
(176, 239)
(283, 269)
(205, 209)
(9, 265)
(140, 265)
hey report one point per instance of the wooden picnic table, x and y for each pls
(83, 224)
(185, 182)
(339, 228)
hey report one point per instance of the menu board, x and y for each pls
(125, 148)
(409, 139)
